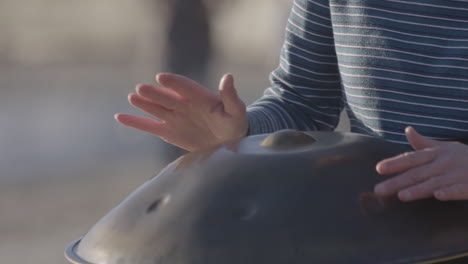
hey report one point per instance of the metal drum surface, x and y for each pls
(289, 197)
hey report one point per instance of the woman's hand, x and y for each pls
(434, 168)
(188, 115)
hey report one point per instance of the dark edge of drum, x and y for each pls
(70, 253)
(454, 257)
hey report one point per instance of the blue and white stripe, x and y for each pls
(389, 63)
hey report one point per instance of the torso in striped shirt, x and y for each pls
(404, 61)
(390, 63)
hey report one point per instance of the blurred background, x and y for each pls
(67, 66)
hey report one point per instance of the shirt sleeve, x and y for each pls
(305, 92)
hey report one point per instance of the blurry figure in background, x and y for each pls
(188, 47)
(189, 40)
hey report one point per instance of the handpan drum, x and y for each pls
(289, 197)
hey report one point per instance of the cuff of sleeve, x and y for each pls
(258, 123)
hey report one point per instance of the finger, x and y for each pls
(150, 107)
(142, 123)
(457, 191)
(406, 161)
(182, 85)
(162, 96)
(424, 189)
(419, 141)
(233, 105)
(408, 178)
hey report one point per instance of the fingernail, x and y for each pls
(138, 87)
(381, 167)
(160, 77)
(404, 195)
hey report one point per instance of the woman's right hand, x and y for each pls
(187, 114)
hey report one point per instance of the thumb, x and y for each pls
(233, 105)
(419, 141)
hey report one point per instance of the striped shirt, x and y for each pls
(388, 63)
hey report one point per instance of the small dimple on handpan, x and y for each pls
(244, 212)
(153, 206)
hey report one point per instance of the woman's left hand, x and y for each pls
(434, 168)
